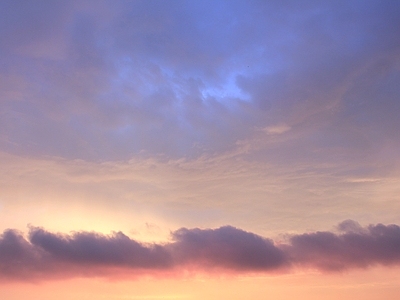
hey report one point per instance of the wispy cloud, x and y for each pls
(277, 129)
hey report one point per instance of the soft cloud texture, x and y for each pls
(109, 80)
(277, 104)
(45, 255)
(163, 119)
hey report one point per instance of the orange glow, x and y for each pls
(375, 284)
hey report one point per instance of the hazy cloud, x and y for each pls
(108, 80)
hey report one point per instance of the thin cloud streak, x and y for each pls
(44, 255)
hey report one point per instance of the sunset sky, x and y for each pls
(199, 149)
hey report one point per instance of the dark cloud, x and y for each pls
(357, 247)
(91, 248)
(226, 247)
(45, 255)
(19, 259)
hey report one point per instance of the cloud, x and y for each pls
(355, 248)
(19, 258)
(44, 255)
(277, 129)
(107, 81)
(226, 247)
(91, 248)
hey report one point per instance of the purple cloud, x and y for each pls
(226, 247)
(356, 247)
(91, 248)
(107, 81)
(45, 255)
(19, 259)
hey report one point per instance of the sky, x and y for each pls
(223, 149)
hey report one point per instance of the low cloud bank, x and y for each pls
(44, 255)
(354, 247)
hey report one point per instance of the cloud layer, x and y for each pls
(82, 79)
(45, 255)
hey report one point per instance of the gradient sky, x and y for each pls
(199, 149)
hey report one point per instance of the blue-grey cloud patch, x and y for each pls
(109, 80)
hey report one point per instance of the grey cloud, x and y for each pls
(91, 248)
(360, 248)
(227, 247)
(46, 255)
(19, 259)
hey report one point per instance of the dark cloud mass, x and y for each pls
(44, 255)
(92, 248)
(226, 247)
(360, 248)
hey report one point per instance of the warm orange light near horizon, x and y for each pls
(374, 284)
